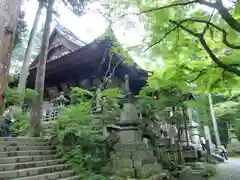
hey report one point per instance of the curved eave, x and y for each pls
(91, 55)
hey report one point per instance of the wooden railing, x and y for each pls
(50, 112)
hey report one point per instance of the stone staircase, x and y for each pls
(48, 127)
(23, 158)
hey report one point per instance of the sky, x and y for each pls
(93, 24)
(86, 27)
(90, 25)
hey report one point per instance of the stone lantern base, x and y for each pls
(233, 148)
(133, 160)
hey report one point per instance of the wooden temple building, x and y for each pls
(74, 63)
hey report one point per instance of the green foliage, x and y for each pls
(227, 106)
(110, 93)
(29, 94)
(12, 96)
(15, 97)
(79, 135)
(110, 106)
(185, 60)
(165, 99)
(238, 130)
(227, 110)
(79, 132)
(169, 92)
(20, 124)
(210, 170)
(79, 94)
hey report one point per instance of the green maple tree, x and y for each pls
(198, 45)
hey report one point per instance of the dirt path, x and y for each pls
(230, 170)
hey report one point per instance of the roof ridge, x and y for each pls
(61, 29)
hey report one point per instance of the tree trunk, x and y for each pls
(9, 11)
(35, 121)
(27, 57)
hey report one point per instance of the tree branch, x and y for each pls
(160, 8)
(224, 33)
(215, 59)
(167, 6)
(165, 35)
(229, 19)
(208, 23)
(201, 72)
(185, 28)
(206, 3)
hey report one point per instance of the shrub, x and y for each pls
(78, 135)
(210, 170)
(20, 124)
(15, 97)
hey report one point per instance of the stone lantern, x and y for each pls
(61, 100)
(194, 132)
(233, 146)
(132, 158)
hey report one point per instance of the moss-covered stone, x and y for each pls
(161, 176)
(147, 171)
(189, 173)
(125, 172)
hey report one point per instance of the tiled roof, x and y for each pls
(69, 35)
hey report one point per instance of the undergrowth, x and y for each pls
(78, 135)
(20, 124)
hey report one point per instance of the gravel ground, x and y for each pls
(230, 170)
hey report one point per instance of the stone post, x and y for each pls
(129, 121)
(98, 99)
(215, 126)
(129, 124)
(232, 134)
(132, 158)
(60, 101)
(233, 146)
(183, 137)
(194, 132)
(208, 138)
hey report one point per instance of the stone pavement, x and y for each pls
(230, 170)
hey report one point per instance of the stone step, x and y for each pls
(23, 148)
(22, 159)
(23, 165)
(26, 153)
(32, 171)
(23, 138)
(49, 176)
(49, 129)
(23, 143)
(49, 125)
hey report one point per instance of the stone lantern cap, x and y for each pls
(113, 127)
(193, 124)
(61, 98)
